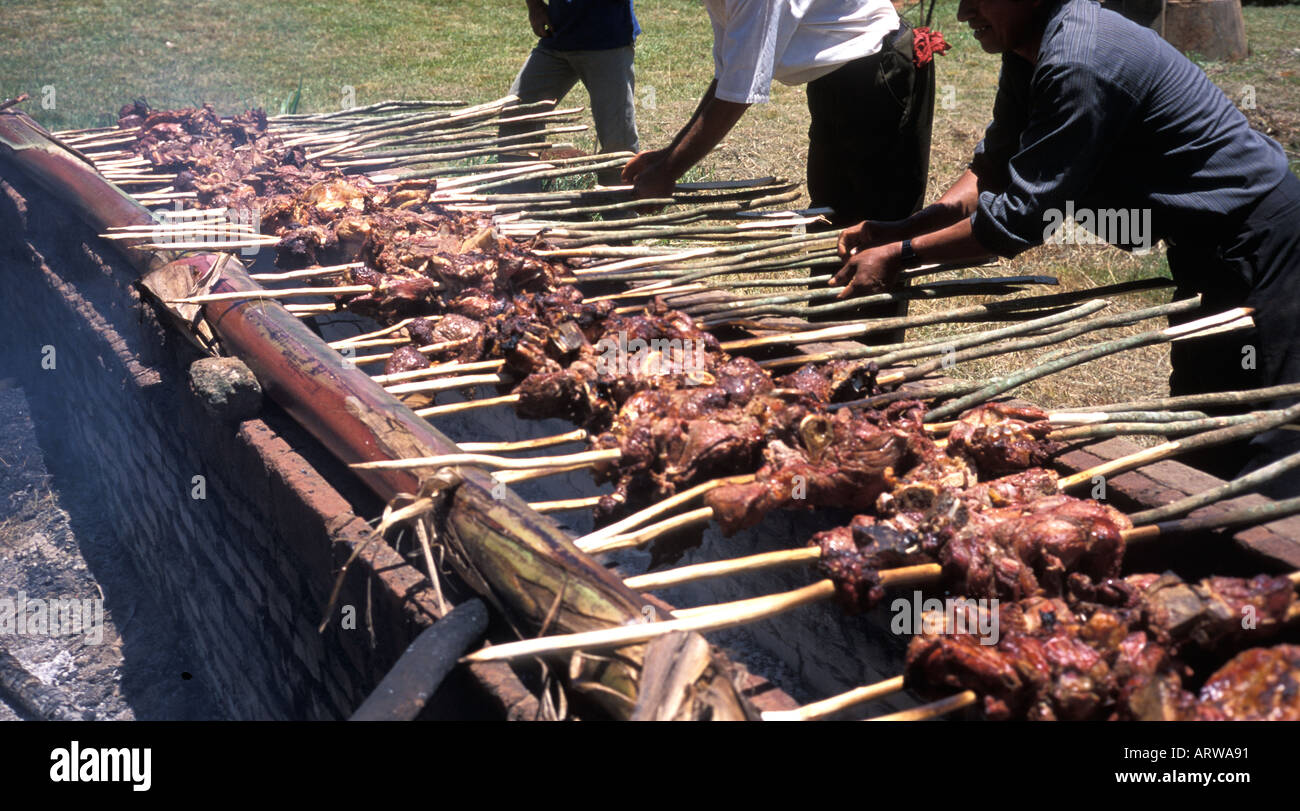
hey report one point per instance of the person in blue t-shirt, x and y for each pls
(591, 41)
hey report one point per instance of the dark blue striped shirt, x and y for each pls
(590, 25)
(1113, 117)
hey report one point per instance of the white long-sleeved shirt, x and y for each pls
(791, 41)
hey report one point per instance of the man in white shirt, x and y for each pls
(871, 105)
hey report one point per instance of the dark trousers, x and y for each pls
(1256, 265)
(869, 148)
(869, 142)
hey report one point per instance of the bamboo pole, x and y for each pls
(1096, 431)
(1267, 421)
(1224, 398)
(1012, 381)
(1242, 484)
(1033, 342)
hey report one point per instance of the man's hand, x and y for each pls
(872, 270)
(649, 175)
(866, 234)
(539, 18)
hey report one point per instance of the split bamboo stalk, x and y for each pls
(637, 537)
(657, 509)
(894, 353)
(1096, 431)
(339, 344)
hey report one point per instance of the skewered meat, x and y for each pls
(834, 380)
(1262, 684)
(1007, 552)
(1012, 552)
(405, 359)
(1000, 438)
(1048, 663)
(839, 461)
(1068, 657)
(1214, 613)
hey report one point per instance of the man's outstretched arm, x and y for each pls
(654, 173)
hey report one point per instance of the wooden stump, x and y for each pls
(1210, 29)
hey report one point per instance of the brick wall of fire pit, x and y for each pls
(247, 567)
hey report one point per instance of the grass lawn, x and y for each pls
(82, 61)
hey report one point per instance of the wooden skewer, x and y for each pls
(704, 618)
(922, 573)
(832, 705)
(932, 710)
(308, 310)
(427, 349)
(470, 405)
(565, 504)
(444, 384)
(512, 476)
(211, 245)
(341, 290)
(452, 367)
(638, 537)
(743, 611)
(308, 273)
(722, 616)
(500, 462)
(523, 444)
(655, 510)
(355, 339)
(723, 568)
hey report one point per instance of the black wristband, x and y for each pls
(908, 256)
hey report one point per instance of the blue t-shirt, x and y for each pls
(590, 25)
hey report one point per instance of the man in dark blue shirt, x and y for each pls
(1095, 113)
(589, 41)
